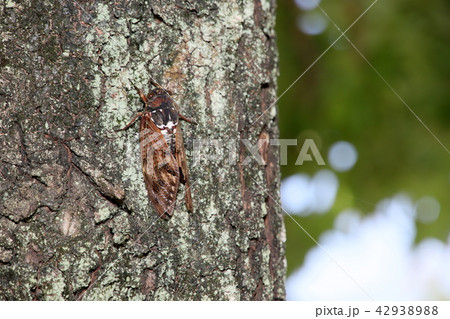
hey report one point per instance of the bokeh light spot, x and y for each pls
(342, 156)
(324, 186)
(302, 195)
(295, 197)
(312, 23)
(307, 4)
(427, 209)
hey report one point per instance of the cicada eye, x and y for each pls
(150, 95)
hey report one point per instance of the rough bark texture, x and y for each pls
(75, 220)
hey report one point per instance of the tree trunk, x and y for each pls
(75, 219)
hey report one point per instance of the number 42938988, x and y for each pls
(407, 310)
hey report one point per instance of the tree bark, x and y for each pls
(75, 220)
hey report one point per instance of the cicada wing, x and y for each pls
(180, 154)
(160, 168)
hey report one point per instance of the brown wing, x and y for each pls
(161, 171)
(180, 154)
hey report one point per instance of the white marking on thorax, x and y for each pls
(169, 126)
(166, 131)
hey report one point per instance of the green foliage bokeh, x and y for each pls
(342, 98)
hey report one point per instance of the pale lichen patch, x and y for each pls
(56, 285)
(228, 286)
(64, 263)
(249, 11)
(121, 229)
(10, 4)
(263, 210)
(163, 295)
(265, 4)
(265, 263)
(102, 214)
(103, 14)
(101, 293)
(81, 270)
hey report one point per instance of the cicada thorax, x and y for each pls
(165, 117)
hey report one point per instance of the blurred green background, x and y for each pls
(342, 98)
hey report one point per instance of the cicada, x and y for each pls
(163, 156)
